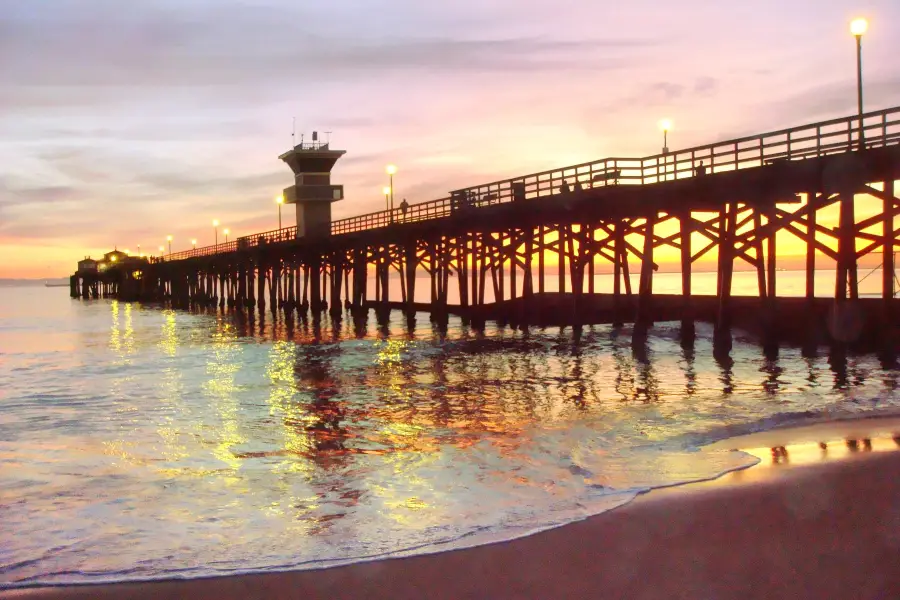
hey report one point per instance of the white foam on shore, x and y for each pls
(494, 535)
(795, 428)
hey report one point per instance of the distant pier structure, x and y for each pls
(117, 275)
(535, 242)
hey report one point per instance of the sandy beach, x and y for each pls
(806, 522)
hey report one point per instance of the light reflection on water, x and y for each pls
(141, 442)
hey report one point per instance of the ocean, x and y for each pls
(138, 442)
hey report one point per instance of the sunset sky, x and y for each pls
(122, 122)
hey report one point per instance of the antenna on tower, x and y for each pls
(294, 132)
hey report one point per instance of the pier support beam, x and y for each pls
(462, 267)
(261, 288)
(409, 264)
(888, 276)
(727, 224)
(337, 278)
(315, 285)
(644, 318)
(846, 281)
(687, 310)
(360, 275)
(620, 262)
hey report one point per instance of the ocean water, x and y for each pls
(138, 442)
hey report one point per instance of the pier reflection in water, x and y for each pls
(815, 452)
(196, 443)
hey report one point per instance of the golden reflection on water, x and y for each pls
(807, 453)
(283, 405)
(121, 331)
(419, 407)
(121, 346)
(176, 419)
(391, 372)
(168, 342)
(403, 492)
(128, 337)
(221, 389)
(114, 343)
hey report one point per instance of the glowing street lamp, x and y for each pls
(391, 170)
(194, 244)
(226, 232)
(279, 201)
(858, 28)
(162, 251)
(666, 126)
(387, 194)
(216, 227)
(169, 239)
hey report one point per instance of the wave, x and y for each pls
(601, 501)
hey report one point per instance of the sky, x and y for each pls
(124, 122)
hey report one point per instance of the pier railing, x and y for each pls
(880, 128)
(875, 129)
(275, 236)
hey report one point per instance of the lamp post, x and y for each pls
(279, 201)
(666, 126)
(169, 239)
(391, 169)
(387, 194)
(162, 252)
(216, 227)
(858, 27)
(194, 244)
(226, 232)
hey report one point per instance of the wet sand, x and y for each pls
(806, 522)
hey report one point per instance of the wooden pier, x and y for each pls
(509, 237)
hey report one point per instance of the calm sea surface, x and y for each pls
(138, 442)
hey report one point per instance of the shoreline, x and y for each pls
(823, 523)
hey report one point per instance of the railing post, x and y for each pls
(888, 248)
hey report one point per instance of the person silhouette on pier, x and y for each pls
(404, 206)
(701, 170)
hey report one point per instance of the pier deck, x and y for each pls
(501, 241)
